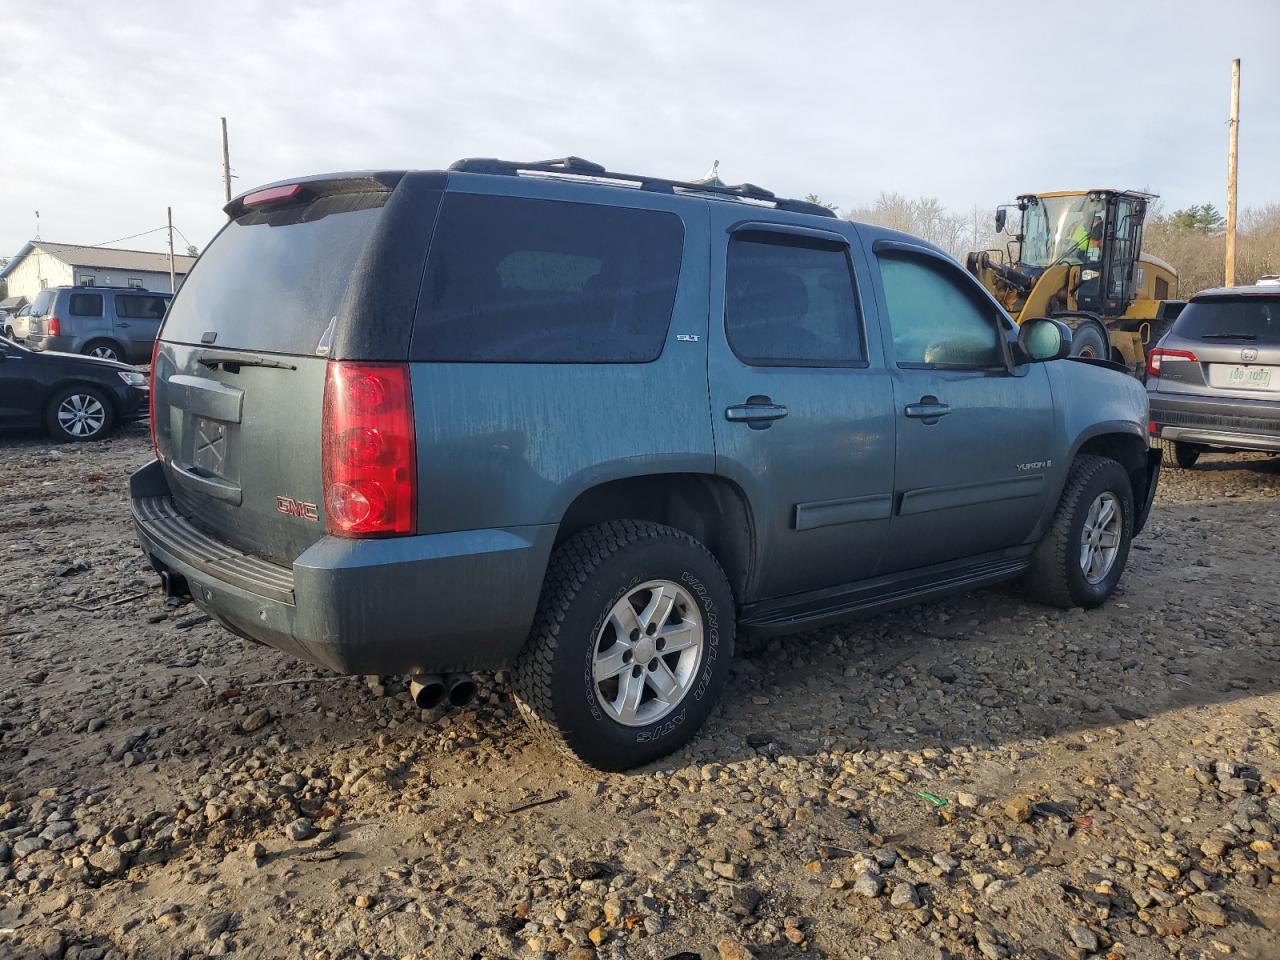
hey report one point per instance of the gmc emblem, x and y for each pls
(297, 508)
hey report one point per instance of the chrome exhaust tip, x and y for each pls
(462, 689)
(428, 690)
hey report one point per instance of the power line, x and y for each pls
(123, 239)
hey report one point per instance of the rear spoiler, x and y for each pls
(324, 184)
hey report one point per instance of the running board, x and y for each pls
(807, 611)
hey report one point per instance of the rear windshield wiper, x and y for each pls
(1228, 336)
(230, 360)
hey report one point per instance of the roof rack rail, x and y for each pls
(576, 166)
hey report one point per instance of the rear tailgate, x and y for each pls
(241, 360)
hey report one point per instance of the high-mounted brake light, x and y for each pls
(368, 450)
(1157, 356)
(272, 195)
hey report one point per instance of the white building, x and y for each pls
(40, 264)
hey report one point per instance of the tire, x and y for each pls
(1174, 453)
(103, 350)
(590, 578)
(1088, 341)
(1057, 575)
(79, 414)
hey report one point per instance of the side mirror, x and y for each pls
(1001, 214)
(1043, 338)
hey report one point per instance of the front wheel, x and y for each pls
(631, 645)
(1083, 554)
(1088, 340)
(77, 414)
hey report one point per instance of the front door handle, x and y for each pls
(929, 409)
(758, 412)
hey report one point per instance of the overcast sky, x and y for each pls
(110, 109)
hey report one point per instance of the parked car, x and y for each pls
(1214, 379)
(18, 324)
(74, 398)
(111, 323)
(529, 417)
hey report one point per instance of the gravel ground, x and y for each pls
(977, 777)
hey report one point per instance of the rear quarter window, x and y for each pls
(517, 280)
(273, 280)
(137, 307)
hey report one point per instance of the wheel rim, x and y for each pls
(647, 654)
(104, 352)
(81, 415)
(1100, 538)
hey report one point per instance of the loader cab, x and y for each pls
(1098, 231)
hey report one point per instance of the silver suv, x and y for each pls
(110, 323)
(1214, 380)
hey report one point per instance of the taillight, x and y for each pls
(1160, 354)
(367, 450)
(151, 398)
(53, 327)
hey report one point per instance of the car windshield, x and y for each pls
(1249, 318)
(1063, 230)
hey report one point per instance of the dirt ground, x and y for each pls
(976, 777)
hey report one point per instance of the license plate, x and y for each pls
(1241, 377)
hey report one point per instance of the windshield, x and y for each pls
(1249, 318)
(1063, 230)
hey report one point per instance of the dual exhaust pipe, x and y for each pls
(430, 690)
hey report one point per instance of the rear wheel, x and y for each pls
(103, 350)
(1175, 453)
(1083, 554)
(79, 413)
(631, 645)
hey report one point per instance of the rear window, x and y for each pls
(44, 300)
(86, 305)
(514, 280)
(274, 278)
(134, 307)
(1231, 318)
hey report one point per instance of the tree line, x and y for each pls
(1192, 239)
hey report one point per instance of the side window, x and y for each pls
(790, 301)
(937, 320)
(86, 305)
(131, 307)
(517, 280)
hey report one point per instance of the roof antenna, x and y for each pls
(37, 224)
(712, 177)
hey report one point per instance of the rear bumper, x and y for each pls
(455, 601)
(59, 344)
(1221, 422)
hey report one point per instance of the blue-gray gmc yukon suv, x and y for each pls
(585, 426)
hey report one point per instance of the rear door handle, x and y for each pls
(929, 409)
(757, 412)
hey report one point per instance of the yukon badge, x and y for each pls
(297, 508)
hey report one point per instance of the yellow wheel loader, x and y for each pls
(1077, 256)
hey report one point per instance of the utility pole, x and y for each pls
(173, 274)
(1233, 140)
(226, 164)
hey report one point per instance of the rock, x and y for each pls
(868, 884)
(1019, 809)
(730, 949)
(300, 829)
(745, 900)
(612, 912)
(904, 897)
(587, 869)
(598, 935)
(110, 860)
(29, 845)
(1214, 847)
(730, 871)
(365, 901)
(53, 945)
(944, 672)
(255, 851)
(1083, 937)
(213, 925)
(1208, 912)
(945, 862)
(256, 720)
(969, 801)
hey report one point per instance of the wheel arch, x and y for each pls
(710, 508)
